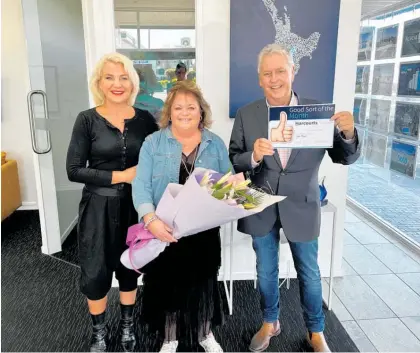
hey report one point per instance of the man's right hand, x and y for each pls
(161, 231)
(262, 147)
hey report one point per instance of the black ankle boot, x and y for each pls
(127, 333)
(100, 336)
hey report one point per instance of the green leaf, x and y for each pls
(249, 206)
(218, 196)
(250, 196)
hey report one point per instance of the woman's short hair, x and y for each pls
(115, 58)
(191, 88)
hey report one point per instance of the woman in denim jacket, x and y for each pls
(181, 296)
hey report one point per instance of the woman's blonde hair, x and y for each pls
(191, 88)
(115, 58)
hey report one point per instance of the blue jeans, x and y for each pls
(305, 256)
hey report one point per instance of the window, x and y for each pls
(386, 179)
(156, 36)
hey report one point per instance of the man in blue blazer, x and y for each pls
(293, 173)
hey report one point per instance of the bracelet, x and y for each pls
(151, 219)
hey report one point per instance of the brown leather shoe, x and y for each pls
(261, 339)
(318, 342)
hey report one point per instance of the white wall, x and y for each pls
(345, 80)
(212, 55)
(15, 133)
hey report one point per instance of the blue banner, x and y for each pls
(403, 158)
(386, 42)
(294, 23)
(409, 80)
(411, 38)
(365, 43)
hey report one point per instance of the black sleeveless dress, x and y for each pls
(180, 286)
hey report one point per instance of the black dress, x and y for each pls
(105, 211)
(180, 286)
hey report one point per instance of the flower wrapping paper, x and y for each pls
(188, 209)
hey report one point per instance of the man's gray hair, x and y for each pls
(275, 48)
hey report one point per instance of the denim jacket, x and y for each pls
(159, 165)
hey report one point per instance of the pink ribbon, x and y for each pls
(137, 237)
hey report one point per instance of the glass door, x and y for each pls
(59, 91)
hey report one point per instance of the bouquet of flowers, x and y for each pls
(231, 189)
(208, 199)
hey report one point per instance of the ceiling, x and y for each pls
(155, 5)
(370, 8)
(373, 8)
(155, 13)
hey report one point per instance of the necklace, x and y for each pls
(192, 166)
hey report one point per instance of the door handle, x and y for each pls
(35, 146)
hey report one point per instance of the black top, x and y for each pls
(100, 144)
(187, 165)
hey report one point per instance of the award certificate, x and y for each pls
(312, 126)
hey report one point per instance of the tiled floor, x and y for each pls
(378, 297)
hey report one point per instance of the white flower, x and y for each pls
(224, 178)
(206, 178)
(232, 192)
(242, 185)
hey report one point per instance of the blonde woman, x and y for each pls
(181, 298)
(103, 155)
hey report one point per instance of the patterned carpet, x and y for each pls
(42, 309)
